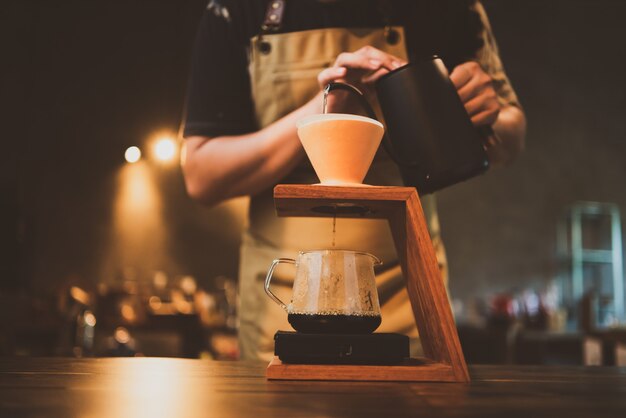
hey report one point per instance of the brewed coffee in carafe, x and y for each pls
(334, 292)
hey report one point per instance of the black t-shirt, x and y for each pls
(219, 100)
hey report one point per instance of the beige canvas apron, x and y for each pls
(283, 80)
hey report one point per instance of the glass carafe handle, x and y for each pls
(268, 279)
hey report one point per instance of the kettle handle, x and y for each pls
(370, 112)
(268, 279)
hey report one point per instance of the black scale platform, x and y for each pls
(373, 349)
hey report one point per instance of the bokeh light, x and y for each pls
(132, 154)
(165, 149)
(90, 318)
(122, 335)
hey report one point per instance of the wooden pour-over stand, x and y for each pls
(401, 207)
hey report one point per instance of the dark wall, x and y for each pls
(14, 23)
(87, 79)
(566, 60)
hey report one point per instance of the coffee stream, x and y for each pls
(334, 228)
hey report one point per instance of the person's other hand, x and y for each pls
(475, 88)
(361, 69)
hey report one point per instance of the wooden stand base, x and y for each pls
(414, 370)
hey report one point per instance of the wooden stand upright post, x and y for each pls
(401, 207)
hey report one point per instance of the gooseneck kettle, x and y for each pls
(429, 133)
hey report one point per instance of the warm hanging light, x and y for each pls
(165, 149)
(132, 154)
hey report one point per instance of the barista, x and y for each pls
(259, 66)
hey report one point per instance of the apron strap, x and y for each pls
(272, 23)
(273, 16)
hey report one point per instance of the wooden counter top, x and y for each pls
(176, 388)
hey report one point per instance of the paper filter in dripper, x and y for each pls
(341, 147)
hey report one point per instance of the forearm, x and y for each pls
(220, 168)
(509, 138)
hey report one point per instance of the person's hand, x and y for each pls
(475, 88)
(361, 69)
